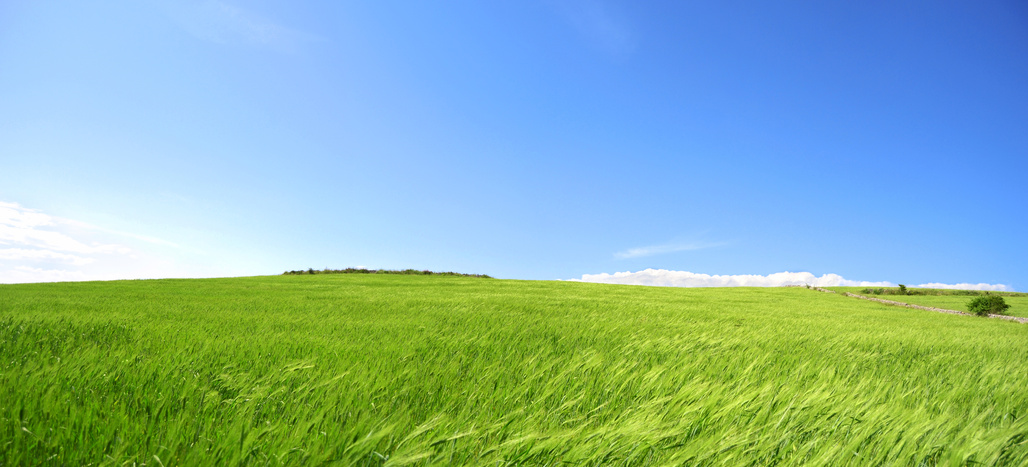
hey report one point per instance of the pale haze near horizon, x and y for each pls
(586, 140)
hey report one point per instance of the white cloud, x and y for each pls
(38, 247)
(663, 249)
(966, 286)
(22, 274)
(25, 227)
(14, 215)
(666, 278)
(31, 254)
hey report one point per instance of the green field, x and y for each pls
(414, 370)
(1018, 302)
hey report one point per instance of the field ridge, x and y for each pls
(920, 307)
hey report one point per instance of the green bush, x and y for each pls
(985, 305)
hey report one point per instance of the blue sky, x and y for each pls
(871, 141)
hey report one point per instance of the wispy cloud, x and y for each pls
(651, 250)
(38, 247)
(25, 274)
(224, 23)
(599, 22)
(666, 278)
(25, 227)
(20, 254)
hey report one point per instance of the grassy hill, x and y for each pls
(390, 369)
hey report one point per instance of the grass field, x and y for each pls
(414, 370)
(1018, 302)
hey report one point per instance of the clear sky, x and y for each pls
(871, 141)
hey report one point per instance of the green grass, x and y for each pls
(413, 370)
(1018, 302)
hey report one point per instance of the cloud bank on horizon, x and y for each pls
(666, 278)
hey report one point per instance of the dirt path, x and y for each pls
(919, 307)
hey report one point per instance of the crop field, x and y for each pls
(1018, 302)
(417, 370)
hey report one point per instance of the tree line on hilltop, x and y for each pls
(406, 272)
(903, 290)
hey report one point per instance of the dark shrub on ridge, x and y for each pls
(987, 304)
